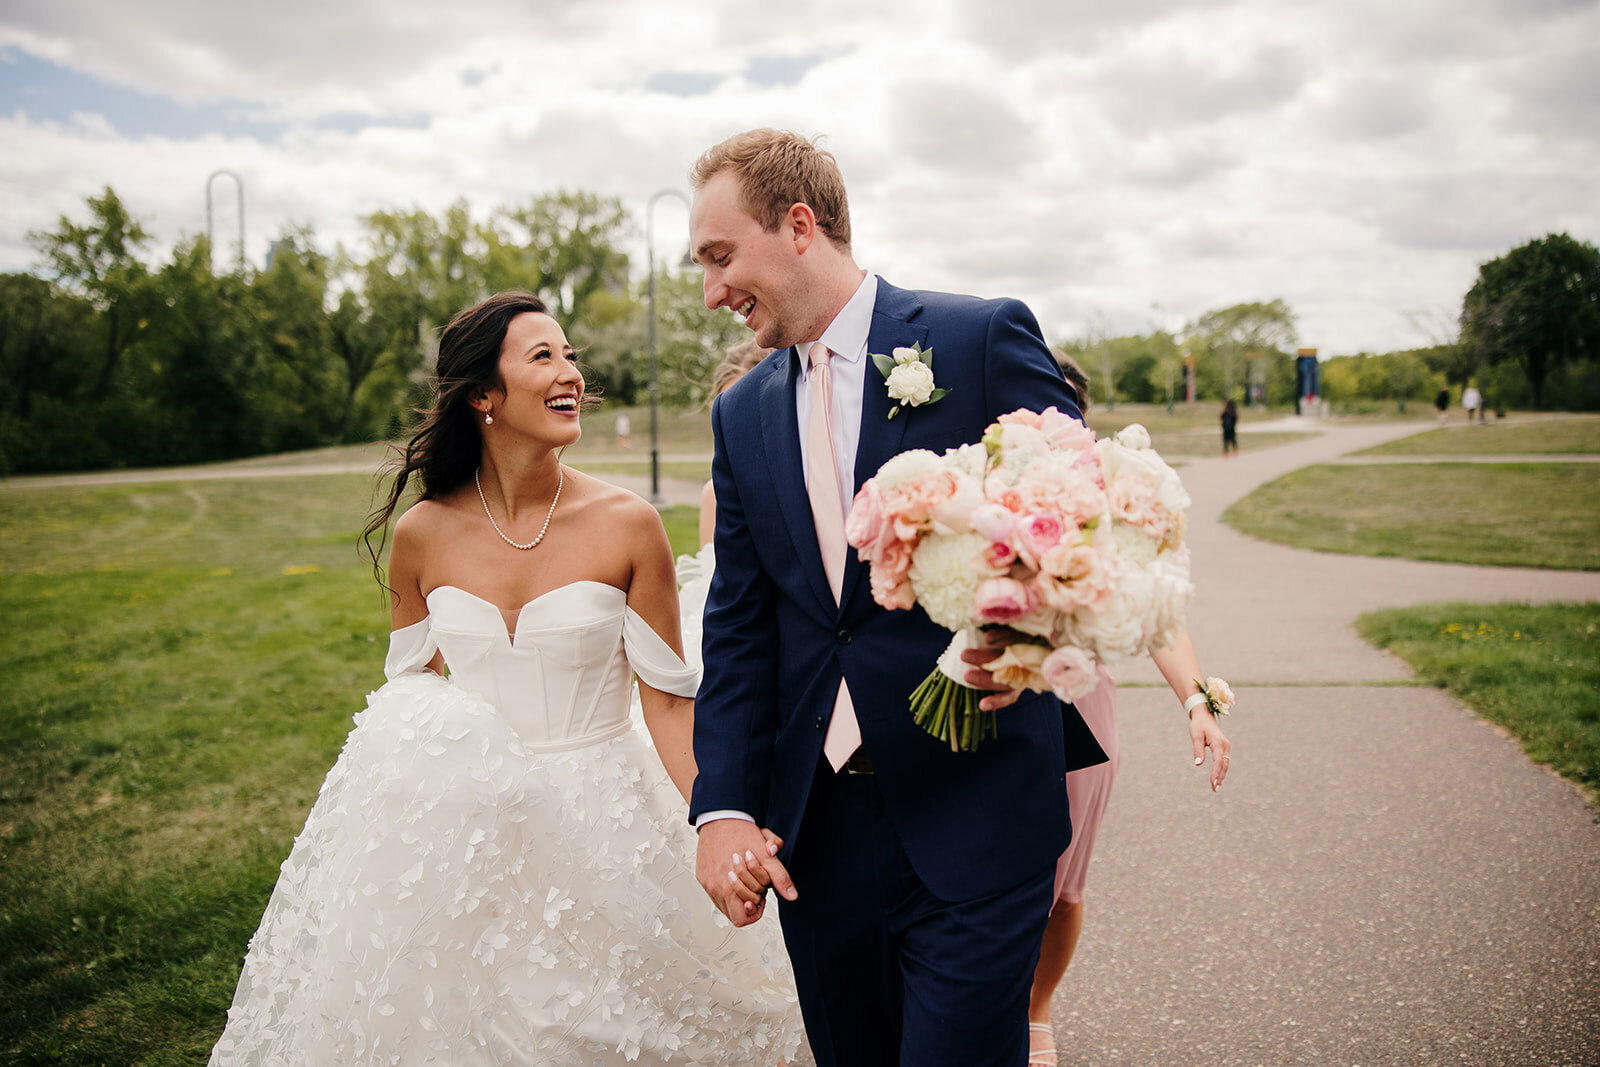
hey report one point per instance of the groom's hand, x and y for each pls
(995, 642)
(734, 863)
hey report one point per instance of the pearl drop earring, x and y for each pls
(488, 419)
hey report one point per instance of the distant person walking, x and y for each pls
(1472, 400)
(1442, 403)
(624, 428)
(1230, 428)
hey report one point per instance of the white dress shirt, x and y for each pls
(846, 338)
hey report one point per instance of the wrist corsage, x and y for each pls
(908, 375)
(1214, 694)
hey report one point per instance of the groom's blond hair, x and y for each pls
(777, 169)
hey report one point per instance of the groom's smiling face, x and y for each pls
(756, 273)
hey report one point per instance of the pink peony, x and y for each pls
(999, 556)
(868, 523)
(1064, 431)
(1075, 577)
(1039, 533)
(1022, 417)
(1002, 600)
(1070, 672)
(994, 522)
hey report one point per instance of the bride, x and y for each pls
(498, 869)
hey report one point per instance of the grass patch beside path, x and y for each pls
(183, 661)
(1534, 669)
(1574, 436)
(1492, 514)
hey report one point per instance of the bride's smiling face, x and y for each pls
(540, 386)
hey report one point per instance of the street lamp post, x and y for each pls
(650, 254)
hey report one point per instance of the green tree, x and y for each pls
(691, 339)
(1537, 306)
(192, 372)
(298, 389)
(1224, 338)
(564, 246)
(99, 261)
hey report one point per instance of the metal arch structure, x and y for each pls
(238, 184)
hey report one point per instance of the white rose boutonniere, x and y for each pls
(908, 375)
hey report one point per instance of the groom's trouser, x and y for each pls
(888, 973)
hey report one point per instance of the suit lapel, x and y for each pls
(780, 434)
(892, 327)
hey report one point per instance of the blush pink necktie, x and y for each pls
(827, 511)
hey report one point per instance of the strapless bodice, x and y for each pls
(564, 678)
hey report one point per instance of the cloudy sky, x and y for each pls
(1117, 165)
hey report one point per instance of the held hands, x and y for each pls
(1205, 733)
(995, 642)
(735, 863)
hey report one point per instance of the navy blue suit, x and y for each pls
(924, 887)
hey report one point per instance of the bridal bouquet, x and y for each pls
(1073, 542)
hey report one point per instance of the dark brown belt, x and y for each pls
(858, 763)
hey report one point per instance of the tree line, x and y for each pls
(1527, 335)
(112, 360)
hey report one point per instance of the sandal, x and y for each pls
(1045, 1056)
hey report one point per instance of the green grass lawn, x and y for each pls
(1534, 669)
(1497, 514)
(1567, 436)
(183, 663)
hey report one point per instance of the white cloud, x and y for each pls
(1117, 166)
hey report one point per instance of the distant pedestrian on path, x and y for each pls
(1442, 403)
(624, 428)
(1230, 428)
(1089, 792)
(1472, 400)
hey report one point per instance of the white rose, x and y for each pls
(1169, 608)
(905, 355)
(906, 466)
(944, 576)
(1133, 544)
(911, 382)
(1118, 631)
(1134, 436)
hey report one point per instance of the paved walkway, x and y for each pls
(1385, 879)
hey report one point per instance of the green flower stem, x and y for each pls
(949, 711)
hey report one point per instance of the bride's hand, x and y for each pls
(734, 867)
(1205, 733)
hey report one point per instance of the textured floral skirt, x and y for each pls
(456, 899)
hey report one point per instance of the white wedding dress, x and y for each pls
(499, 871)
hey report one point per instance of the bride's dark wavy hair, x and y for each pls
(444, 449)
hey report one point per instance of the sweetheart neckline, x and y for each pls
(529, 604)
(512, 628)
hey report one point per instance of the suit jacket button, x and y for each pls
(819, 722)
(843, 636)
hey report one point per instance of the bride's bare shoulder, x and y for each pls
(616, 508)
(429, 519)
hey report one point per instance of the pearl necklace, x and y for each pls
(560, 478)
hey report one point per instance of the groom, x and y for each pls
(921, 877)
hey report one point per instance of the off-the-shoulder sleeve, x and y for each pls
(653, 660)
(411, 649)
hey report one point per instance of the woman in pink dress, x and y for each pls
(1089, 789)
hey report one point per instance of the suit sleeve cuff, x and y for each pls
(728, 813)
